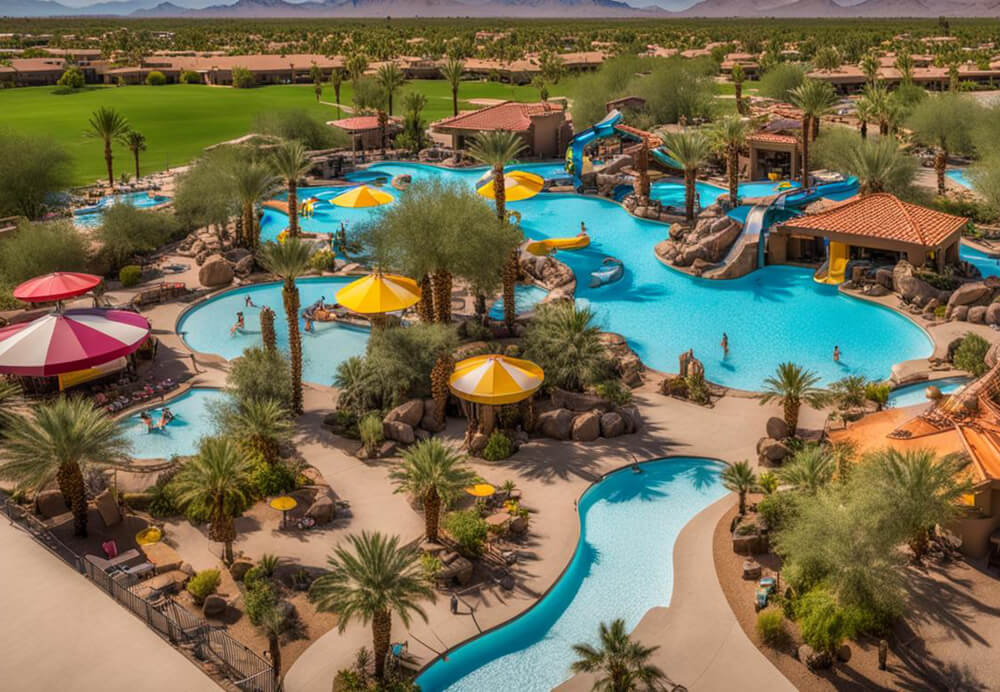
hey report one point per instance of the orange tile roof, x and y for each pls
(884, 216)
(771, 138)
(508, 115)
(360, 123)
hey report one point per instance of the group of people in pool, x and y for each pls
(166, 415)
(307, 314)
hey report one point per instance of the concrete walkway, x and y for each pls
(61, 632)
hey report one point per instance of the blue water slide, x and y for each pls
(600, 130)
(666, 159)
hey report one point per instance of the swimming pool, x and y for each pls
(621, 569)
(913, 394)
(959, 175)
(526, 297)
(987, 265)
(670, 192)
(180, 437)
(90, 217)
(205, 328)
(774, 314)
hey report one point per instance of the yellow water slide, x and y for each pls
(544, 247)
(832, 272)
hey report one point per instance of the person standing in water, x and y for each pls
(725, 345)
(239, 324)
(836, 354)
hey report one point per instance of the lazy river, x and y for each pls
(621, 569)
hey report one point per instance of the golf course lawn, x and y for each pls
(181, 120)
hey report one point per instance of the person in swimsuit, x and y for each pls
(725, 344)
(836, 354)
(239, 324)
(147, 419)
(165, 417)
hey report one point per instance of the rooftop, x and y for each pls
(508, 115)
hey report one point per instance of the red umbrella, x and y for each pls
(63, 342)
(56, 286)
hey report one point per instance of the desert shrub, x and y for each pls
(878, 392)
(72, 78)
(565, 341)
(498, 447)
(430, 564)
(259, 375)
(243, 78)
(824, 623)
(126, 231)
(271, 479)
(971, 354)
(371, 431)
(156, 78)
(41, 248)
(968, 207)
(300, 126)
(322, 261)
(190, 77)
(781, 79)
(203, 584)
(941, 282)
(469, 531)
(614, 391)
(777, 509)
(697, 388)
(258, 598)
(268, 563)
(130, 275)
(771, 627)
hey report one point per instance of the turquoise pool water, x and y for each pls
(91, 216)
(913, 394)
(774, 314)
(987, 266)
(526, 297)
(180, 437)
(959, 176)
(671, 191)
(622, 567)
(205, 327)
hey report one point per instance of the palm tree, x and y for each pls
(729, 136)
(792, 386)
(356, 65)
(290, 260)
(849, 391)
(56, 441)
(258, 425)
(565, 340)
(904, 63)
(452, 72)
(621, 664)
(496, 148)
(811, 468)
(738, 76)
(390, 78)
(369, 581)
(865, 113)
(273, 624)
(944, 122)
(869, 65)
(291, 162)
(434, 473)
(690, 148)
(216, 481)
(876, 102)
(922, 488)
(739, 478)
(336, 80)
(878, 162)
(253, 182)
(107, 124)
(135, 142)
(814, 98)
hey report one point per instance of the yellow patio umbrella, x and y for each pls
(495, 380)
(362, 196)
(481, 490)
(379, 293)
(517, 184)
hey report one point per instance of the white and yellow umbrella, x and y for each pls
(379, 293)
(518, 185)
(362, 196)
(495, 380)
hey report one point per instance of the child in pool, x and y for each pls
(239, 324)
(166, 416)
(147, 419)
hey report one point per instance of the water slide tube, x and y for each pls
(662, 157)
(600, 130)
(832, 271)
(544, 247)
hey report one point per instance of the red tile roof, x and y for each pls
(508, 115)
(360, 123)
(770, 138)
(884, 216)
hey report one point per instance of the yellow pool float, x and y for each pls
(547, 246)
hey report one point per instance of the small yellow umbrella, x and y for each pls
(362, 196)
(283, 504)
(379, 293)
(495, 380)
(481, 490)
(517, 184)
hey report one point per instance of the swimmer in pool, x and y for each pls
(725, 345)
(166, 416)
(836, 354)
(248, 302)
(147, 419)
(239, 324)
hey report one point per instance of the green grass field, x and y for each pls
(181, 120)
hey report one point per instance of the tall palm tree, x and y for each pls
(738, 76)
(56, 441)
(290, 260)
(356, 65)
(452, 72)
(107, 125)
(810, 469)
(216, 481)
(865, 114)
(729, 137)
(944, 122)
(370, 579)
(878, 162)
(136, 143)
(253, 182)
(739, 478)
(876, 101)
(496, 148)
(690, 148)
(390, 78)
(434, 473)
(259, 426)
(922, 488)
(273, 624)
(904, 63)
(336, 81)
(621, 664)
(869, 65)
(815, 99)
(291, 162)
(792, 386)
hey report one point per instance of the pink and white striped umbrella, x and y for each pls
(72, 340)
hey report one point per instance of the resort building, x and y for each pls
(218, 70)
(42, 71)
(364, 131)
(850, 79)
(773, 154)
(543, 126)
(877, 227)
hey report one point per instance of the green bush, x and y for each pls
(258, 599)
(565, 341)
(968, 207)
(777, 509)
(156, 78)
(371, 431)
(161, 502)
(777, 82)
(254, 576)
(190, 77)
(824, 623)
(41, 248)
(498, 447)
(469, 531)
(614, 391)
(130, 275)
(300, 126)
(203, 584)
(322, 261)
(971, 354)
(939, 281)
(697, 388)
(126, 231)
(72, 78)
(258, 375)
(137, 501)
(242, 78)
(771, 627)
(271, 479)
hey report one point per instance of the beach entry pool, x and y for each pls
(913, 394)
(180, 437)
(774, 314)
(205, 328)
(622, 567)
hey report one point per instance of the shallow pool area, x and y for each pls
(206, 327)
(621, 568)
(180, 437)
(913, 394)
(526, 297)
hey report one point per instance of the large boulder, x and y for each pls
(912, 289)
(410, 413)
(398, 431)
(977, 314)
(575, 401)
(586, 427)
(239, 568)
(993, 314)
(556, 423)
(612, 424)
(630, 414)
(214, 606)
(777, 428)
(969, 294)
(322, 510)
(959, 312)
(244, 267)
(215, 271)
(50, 503)
(773, 451)
(814, 660)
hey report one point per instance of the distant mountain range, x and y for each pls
(504, 8)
